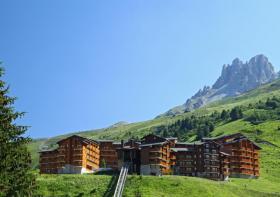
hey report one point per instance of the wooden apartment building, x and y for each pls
(74, 154)
(244, 155)
(214, 158)
(108, 154)
(202, 160)
(155, 155)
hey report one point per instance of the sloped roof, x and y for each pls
(241, 139)
(161, 138)
(48, 150)
(181, 149)
(105, 140)
(83, 139)
(223, 136)
(190, 143)
(152, 144)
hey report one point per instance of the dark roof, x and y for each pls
(190, 143)
(83, 139)
(48, 150)
(152, 144)
(181, 149)
(164, 139)
(171, 138)
(223, 136)
(241, 139)
(105, 140)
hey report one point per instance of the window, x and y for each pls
(207, 145)
(207, 150)
(214, 151)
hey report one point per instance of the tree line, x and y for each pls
(202, 126)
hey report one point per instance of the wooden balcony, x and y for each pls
(247, 160)
(246, 166)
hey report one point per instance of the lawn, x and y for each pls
(149, 186)
(75, 185)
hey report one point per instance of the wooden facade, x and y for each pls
(108, 154)
(243, 155)
(244, 158)
(74, 154)
(213, 158)
(156, 155)
(217, 158)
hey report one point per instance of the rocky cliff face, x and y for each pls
(235, 79)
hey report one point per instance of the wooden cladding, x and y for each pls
(214, 158)
(73, 151)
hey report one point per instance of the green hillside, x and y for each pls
(267, 134)
(141, 128)
(260, 121)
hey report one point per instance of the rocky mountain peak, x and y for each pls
(259, 60)
(236, 78)
(246, 75)
(237, 62)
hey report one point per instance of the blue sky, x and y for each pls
(79, 65)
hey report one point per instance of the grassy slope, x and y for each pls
(141, 128)
(267, 185)
(179, 186)
(75, 185)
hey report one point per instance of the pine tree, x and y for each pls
(224, 115)
(15, 176)
(236, 113)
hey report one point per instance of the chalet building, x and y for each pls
(74, 154)
(213, 158)
(108, 154)
(156, 155)
(244, 155)
(187, 159)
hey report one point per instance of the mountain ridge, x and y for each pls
(236, 78)
(139, 129)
